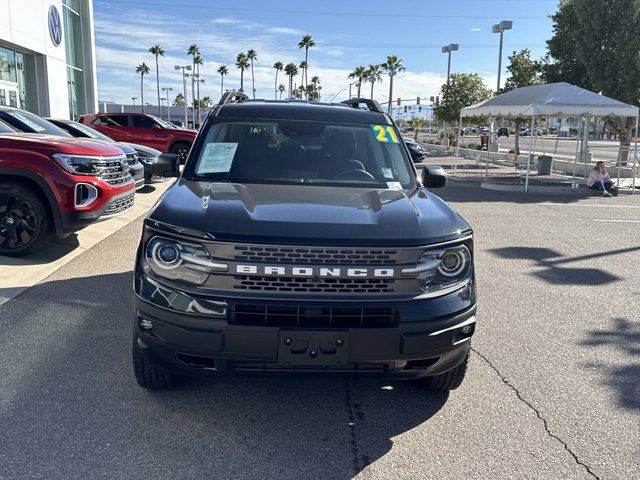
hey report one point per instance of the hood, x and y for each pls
(309, 214)
(55, 144)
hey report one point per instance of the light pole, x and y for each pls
(500, 28)
(350, 85)
(184, 85)
(167, 90)
(452, 47)
(134, 102)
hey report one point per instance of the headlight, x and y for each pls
(181, 261)
(78, 164)
(442, 268)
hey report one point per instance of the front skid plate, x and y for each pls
(313, 348)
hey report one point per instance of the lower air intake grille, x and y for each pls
(120, 205)
(313, 317)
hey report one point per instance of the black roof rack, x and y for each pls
(231, 97)
(372, 105)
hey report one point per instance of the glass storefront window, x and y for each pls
(7, 65)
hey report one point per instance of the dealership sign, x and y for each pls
(55, 26)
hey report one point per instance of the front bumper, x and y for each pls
(420, 344)
(116, 205)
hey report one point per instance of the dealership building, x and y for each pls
(47, 57)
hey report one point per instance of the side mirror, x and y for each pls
(166, 165)
(433, 176)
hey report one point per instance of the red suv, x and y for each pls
(56, 185)
(144, 129)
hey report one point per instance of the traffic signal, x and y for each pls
(399, 101)
(432, 98)
(405, 109)
(420, 108)
(418, 101)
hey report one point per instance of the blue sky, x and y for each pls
(347, 34)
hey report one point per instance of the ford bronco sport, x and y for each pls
(300, 238)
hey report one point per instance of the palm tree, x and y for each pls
(373, 75)
(143, 70)
(291, 70)
(278, 66)
(303, 67)
(392, 66)
(158, 52)
(252, 55)
(306, 43)
(194, 51)
(222, 70)
(242, 62)
(281, 89)
(198, 61)
(358, 74)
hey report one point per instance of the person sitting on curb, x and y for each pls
(599, 179)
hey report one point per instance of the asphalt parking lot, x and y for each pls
(552, 390)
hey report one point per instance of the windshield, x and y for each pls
(89, 132)
(4, 128)
(164, 123)
(296, 151)
(30, 123)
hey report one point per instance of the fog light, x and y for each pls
(466, 330)
(146, 324)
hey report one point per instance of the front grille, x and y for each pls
(120, 205)
(112, 171)
(313, 317)
(332, 256)
(314, 285)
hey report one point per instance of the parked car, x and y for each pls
(57, 185)
(503, 132)
(28, 122)
(144, 129)
(325, 253)
(415, 149)
(146, 155)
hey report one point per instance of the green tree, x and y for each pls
(179, 100)
(242, 63)
(373, 75)
(524, 72)
(392, 66)
(417, 123)
(252, 55)
(222, 70)
(595, 45)
(143, 70)
(197, 62)
(291, 71)
(358, 74)
(281, 89)
(464, 89)
(194, 51)
(306, 43)
(313, 89)
(158, 52)
(279, 66)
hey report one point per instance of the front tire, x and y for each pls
(148, 374)
(25, 224)
(448, 380)
(182, 150)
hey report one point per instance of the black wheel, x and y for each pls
(148, 374)
(182, 150)
(24, 221)
(448, 380)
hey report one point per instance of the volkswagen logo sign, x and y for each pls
(55, 25)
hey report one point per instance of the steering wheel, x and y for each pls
(355, 174)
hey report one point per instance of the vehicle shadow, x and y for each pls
(470, 192)
(50, 252)
(70, 407)
(552, 271)
(623, 335)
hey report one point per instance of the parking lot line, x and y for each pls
(591, 205)
(617, 221)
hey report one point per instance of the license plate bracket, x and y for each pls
(313, 348)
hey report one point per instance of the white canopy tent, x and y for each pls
(558, 100)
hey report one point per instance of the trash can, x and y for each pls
(545, 163)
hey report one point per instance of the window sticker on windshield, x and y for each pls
(217, 158)
(387, 172)
(394, 185)
(384, 133)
